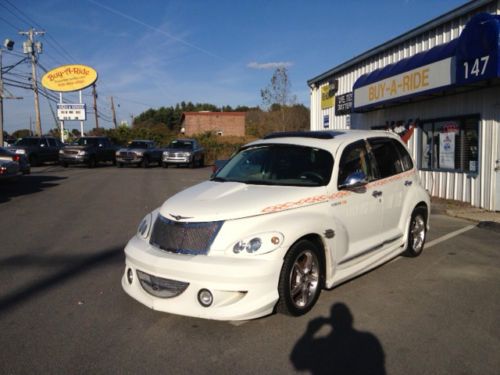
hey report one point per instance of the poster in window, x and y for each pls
(447, 150)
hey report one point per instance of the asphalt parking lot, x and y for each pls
(62, 309)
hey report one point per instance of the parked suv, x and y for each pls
(184, 151)
(89, 151)
(38, 150)
(284, 218)
(140, 153)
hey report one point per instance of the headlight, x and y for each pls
(82, 152)
(187, 154)
(165, 153)
(259, 244)
(139, 153)
(61, 151)
(117, 153)
(145, 226)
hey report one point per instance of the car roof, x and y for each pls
(328, 140)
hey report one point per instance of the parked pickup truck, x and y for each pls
(139, 152)
(89, 151)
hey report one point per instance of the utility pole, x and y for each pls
(31, 48)
(1, 100)
(114, 113)
(94, 93)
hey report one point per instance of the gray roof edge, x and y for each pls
(457, 12)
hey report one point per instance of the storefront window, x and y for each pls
(450, 145)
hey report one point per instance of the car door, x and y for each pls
(53, 150)
(396, 176)
(358, 211)
(44, 150)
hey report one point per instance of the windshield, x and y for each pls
(181, 144)
(85, 142)
(27, 142)
(279, 165)
(138, 145)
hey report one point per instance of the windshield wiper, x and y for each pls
(218, 179)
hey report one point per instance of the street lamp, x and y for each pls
(9, 45)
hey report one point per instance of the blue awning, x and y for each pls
(474, 56)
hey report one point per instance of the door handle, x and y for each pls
(377, 193)
(408, 183)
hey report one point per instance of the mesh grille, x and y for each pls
(184, 238)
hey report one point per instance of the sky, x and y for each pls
(158, 53)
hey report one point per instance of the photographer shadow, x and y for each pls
(343, 351)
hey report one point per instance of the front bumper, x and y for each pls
(242, 288)
(176, 159)
(74, 159)
(127, 160)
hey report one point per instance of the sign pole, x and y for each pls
(81, 122)
(62, 121)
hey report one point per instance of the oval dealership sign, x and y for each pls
(69, 78)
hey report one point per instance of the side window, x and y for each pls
(52, 142)
(43, 142)
(386, 156)
(355, 158)
(404, 155)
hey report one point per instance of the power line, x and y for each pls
(10, 24)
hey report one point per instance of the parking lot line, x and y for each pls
(448, 236)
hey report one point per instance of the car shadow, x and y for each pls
(27, 184)
(69, 267)
(344, 350)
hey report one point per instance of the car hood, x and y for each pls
(78, 148)
(127, 149)
(178, 150)
(214, 201)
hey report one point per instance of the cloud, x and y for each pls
(269, 65)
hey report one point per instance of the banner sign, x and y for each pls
(424, 78)
(343, 104)
(327, 98)
(69, 78)
(447, 150)
(71, 112)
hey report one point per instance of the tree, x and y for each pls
(277, 95)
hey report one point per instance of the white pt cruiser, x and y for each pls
(286, 217)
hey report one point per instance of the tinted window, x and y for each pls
(27, 142)
(279, 165)
(136, 144)
(406, 160)
(86, 142)
(355, 158)
(52, 142)
(181, 144)
(386, 157)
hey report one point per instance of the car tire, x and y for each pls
(301, 279)
(64, 165)
(92, 163)
(119, 165)
(202, 162)
(191, 164)
(34, 160)
(417, 232)
(145, 162)
(164, 165)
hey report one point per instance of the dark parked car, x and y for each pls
(139, 152)
(9, 170)
(89, 151)
(21, 159)
(184, 151)
(38, 150)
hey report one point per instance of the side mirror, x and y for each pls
(354, 181)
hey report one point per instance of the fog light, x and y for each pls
(130, 276)
(205, 298)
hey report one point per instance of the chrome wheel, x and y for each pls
(304, 279)
(417, 232)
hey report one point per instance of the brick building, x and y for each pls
(221, 123)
